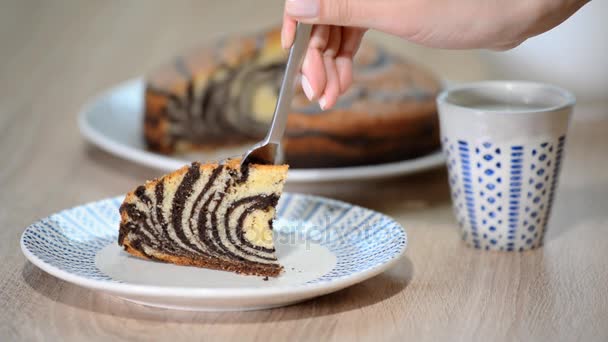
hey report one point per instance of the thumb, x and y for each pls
(331, 12)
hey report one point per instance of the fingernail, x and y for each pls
(322, 102)
(302, 8)
(283, 42)
(310, 94)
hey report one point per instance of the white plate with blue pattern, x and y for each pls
(112, 121)
(324, 245)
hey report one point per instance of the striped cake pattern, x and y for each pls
(203, 215)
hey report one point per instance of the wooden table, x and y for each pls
(56, 54)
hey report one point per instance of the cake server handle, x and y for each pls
(268, 151)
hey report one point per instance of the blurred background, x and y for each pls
(132, 37)
(57, 54)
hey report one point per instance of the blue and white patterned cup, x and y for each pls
(504, 143)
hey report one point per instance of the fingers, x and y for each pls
(351, 40)
(288, 31)
(313, 67)
(332, 84)
(327, 69)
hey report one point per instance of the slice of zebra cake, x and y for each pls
(216, 216)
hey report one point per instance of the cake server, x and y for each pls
(268, 151)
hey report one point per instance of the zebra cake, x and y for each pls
(224, 95)
(216, 216)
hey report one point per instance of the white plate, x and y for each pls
(113, 120)
(325, 245)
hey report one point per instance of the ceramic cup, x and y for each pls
(504, 142)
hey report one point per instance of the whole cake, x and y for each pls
(216, 216)
(224, 95)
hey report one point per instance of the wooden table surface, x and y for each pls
(54, 55)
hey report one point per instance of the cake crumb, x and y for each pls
(265, 278)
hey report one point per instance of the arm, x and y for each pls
(449, 24)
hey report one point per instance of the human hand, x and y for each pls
(339, 26)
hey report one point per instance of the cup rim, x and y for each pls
(569, 99)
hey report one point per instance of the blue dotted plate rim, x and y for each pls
(318, 286)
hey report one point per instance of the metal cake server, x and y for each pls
(268, 151)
